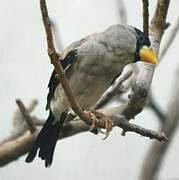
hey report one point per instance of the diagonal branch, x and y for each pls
(113, 90)
(137, 98)
(54, 56)
(170, 40)
(11, 150)
(26, 115)
(156, 109)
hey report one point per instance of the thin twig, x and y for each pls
(130, 127)
(146, 16)
(26, 115)
(170, 40)
(54, 56)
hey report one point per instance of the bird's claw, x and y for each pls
(108, 127)
(94, 122)
(95, 115)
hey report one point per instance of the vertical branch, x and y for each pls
(122, 11)
(158, 24)
(156, 154)
(145, 16)
(153, 159)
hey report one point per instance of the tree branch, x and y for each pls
(120, 115)
(113, 90)
(122, 11)
(145, 16)
(129, 127)
(158, 24)
(157, 110)
(13, 149)
(157, 28)
(170, 40)
(157, 151)
(26, 115)
(54, 56)
(138, 95)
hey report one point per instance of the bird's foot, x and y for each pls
(95, 115)
(94, 118)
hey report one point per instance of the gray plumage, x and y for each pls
(99, 59)
(90, 65)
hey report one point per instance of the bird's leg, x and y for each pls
(95, 115)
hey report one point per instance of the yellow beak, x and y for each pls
(147, 55)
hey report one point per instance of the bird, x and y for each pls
(91, 66)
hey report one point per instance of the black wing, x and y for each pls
(53, 83)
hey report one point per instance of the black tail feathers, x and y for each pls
(47, 140)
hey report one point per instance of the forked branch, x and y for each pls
(120, 115)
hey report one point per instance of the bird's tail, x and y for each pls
(47, 140)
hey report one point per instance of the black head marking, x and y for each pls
(142, 40)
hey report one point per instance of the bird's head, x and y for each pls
(144, 50)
